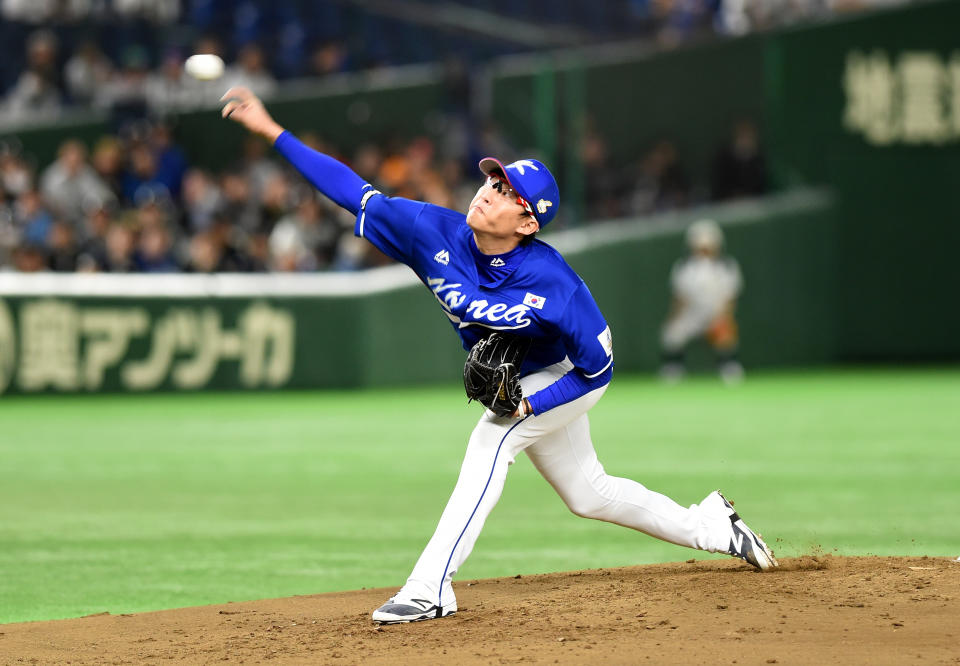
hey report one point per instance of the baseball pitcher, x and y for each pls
(540, 356)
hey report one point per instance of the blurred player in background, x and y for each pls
(705, 286)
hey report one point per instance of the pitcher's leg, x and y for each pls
(479, 486)
(494, 444)
(568, 461)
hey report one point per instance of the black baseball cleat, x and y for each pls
(411, 610)
(745, 543)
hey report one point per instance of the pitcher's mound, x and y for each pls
(813, 610)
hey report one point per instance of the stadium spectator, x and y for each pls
(125, 94)
(9, 238)
(92, 249)
(305, 239)
(329, 57)
(70, 185)
(739, 167)
(163, 162)
(61, 248)
(257, 165)
(705, 286)
(37, 91)
(168, 89)
(108, 163)
(154, 253)
(29, 259)
(15, 175)
(205, 254)
(215, 251)
(251, 71)
(277, 198)
(120, 246)
(242, 208)
(256, 253)
(32, 218)
(140, 180)
(604, 182)
(202, 200)
(86, 72)
(662, 182)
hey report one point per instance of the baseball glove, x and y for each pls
(491, 374)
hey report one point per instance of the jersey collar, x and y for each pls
(494, 269)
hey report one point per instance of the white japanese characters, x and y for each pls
(911, 99)
(68, 346)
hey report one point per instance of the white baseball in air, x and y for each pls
(204, 66)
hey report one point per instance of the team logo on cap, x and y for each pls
(520, 164)
(543, 205)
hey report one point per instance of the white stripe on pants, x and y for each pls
(558, 443)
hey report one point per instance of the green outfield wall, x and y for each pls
(90, 333)
(871, 107)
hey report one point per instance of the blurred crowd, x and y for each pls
(133, 203)
(90, 79)
(675, 21)
(660, 180)
(110, 54)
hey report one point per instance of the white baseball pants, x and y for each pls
(684, 327)
(558, 443)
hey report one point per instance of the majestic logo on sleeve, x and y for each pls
(498, 316)
(442, 257)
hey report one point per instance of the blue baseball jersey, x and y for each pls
(530, 291)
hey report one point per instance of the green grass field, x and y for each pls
(133, 503)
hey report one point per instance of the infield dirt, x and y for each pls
(813, 610)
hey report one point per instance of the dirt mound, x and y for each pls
(815, 609)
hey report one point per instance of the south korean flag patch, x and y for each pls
(534, 301)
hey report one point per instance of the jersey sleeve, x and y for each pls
(568, 388)
(586, 335)
(389, 223)
(335, 179)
